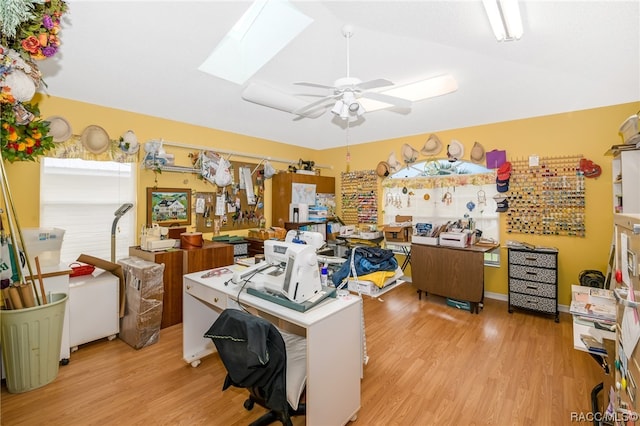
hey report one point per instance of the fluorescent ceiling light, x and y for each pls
(264, 29)
(418, 91)
(504, 17)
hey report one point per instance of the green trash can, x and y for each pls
(31, 340)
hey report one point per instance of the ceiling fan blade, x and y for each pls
(320, 103)
(373, 84)
(321, 86)
(388, 99)
(273, 98)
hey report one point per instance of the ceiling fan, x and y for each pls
(347, 91)
(349, 96)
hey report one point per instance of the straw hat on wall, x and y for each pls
(59, 128)
(382, 169)
(432, 146)
(394, 164)
(95, 139)
(409, 154)
(477, 153)
(455, 150)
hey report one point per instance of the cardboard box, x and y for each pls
(402, 219)
(369, 288)
(400, 231)
(113, 268)
(364, 287)
(140, 325)
(400, 234)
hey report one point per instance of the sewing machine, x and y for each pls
(290, 270)
(314, 239)
(154, 238)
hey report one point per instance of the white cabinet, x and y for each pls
(625, 170)
(93, 308)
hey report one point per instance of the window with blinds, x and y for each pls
(81, 197)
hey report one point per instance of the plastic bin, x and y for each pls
(31, 340)
(45, 243)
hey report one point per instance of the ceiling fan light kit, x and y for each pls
(350, 97)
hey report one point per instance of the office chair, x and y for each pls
(255, 356)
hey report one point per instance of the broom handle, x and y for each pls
(44, 296)
(12, 219)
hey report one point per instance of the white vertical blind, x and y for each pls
(81, 197)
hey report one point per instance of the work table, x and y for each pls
(452, 272)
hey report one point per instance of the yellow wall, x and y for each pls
(588, 132)
(116, 122)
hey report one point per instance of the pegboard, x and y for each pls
(359, 197)
(546, 197)
(231, 208)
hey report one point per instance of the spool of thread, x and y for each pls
(259, 258)
(191, 240)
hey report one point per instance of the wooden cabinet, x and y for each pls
(456, 273)
(211, 255)
(533, 280)
(256, 246)
(282, 189)
(179, 262)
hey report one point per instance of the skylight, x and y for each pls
(264, 29)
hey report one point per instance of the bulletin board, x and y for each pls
(546, 197)
(237, 206)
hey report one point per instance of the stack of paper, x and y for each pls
(594, 303)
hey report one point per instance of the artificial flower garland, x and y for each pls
(36, 37)
(24, 142)
(29, 33)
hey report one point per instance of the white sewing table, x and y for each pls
(333, 330)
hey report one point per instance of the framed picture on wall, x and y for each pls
(168, 206)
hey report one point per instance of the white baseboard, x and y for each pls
(505, 298)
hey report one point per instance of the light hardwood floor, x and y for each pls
(429, 364)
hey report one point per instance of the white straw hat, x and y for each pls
(455, 150)
(432, 146)
(394, 164)
(59, 128)
(477, 153)
(95, 139)
(409, 154)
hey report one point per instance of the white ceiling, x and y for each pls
(144, 56)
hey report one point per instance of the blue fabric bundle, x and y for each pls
(365, 260)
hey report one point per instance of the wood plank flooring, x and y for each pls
(429, 364)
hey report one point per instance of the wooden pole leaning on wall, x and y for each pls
(14, 229)
(44, 296)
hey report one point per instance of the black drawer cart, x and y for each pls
(533, 280)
